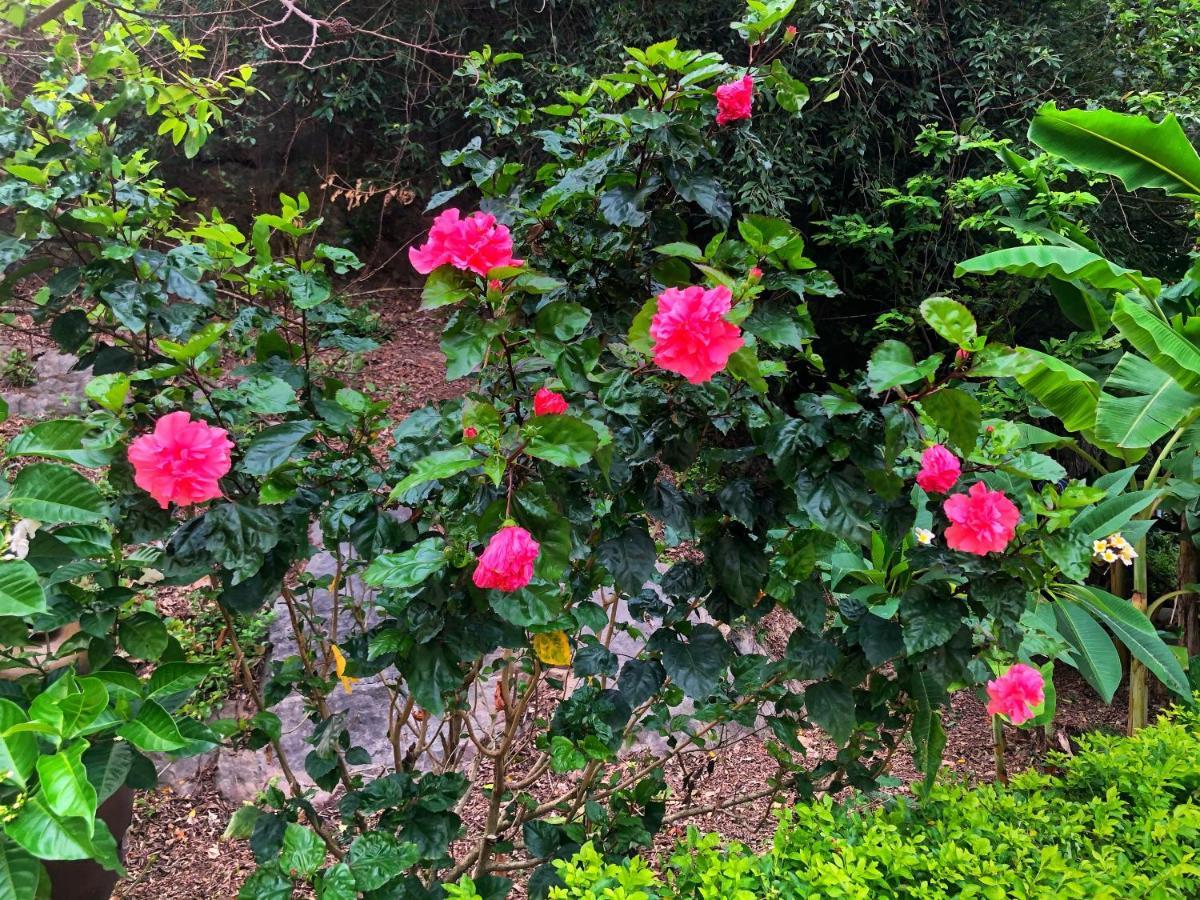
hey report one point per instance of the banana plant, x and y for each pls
(1146, 409)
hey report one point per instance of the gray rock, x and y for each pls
(59, 389)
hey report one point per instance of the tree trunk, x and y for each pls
(1187, 604)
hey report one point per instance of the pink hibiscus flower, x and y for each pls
(734, 100)
(181, 461)
(984, 520)
(506, 564)
(1016, 693)
(474, 244)
(548, 403)
(939, 470)
(691, 336)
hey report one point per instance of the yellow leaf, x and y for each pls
(339, 665)
(552, 648)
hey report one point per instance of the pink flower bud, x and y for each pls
(939, 470)
(690, 333)
(470, 433)
(506, 564)
(755, 274)
(984, 520)
(495, 284)
(181, 461)
(474, 244)
(734, 100)
(547, 403)
(1016, 693)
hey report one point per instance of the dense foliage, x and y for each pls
(655, 447)
(1119, 818)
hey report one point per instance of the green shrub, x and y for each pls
(1121, 819)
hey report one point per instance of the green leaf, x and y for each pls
(267, 883)
(1036, 466)
(108, 763)
(639, 332)
(465, 341)
(274, 446)
(60, 439)
(1133, 629)
(892, 365)
(81, 708)
(629, 558)
(950, 319)
(682, 250)
(54, 494)
(929, 737)
(196, 344)
(19, 750)
(541, 838)
(109, 391)
(153, 731)
(144, 636)
(1063, 263)
(20, 873)
(1158, 342)
(432, 670)
(562, 320)
(929, 620)
(444, 286)
(1064, 390)
(48, 836)
(1110, 515)
(831, 705)
(1133, 148)
(1092, 652)
(410, 568)
(560, 439)
(376, 858)
(957, 413)
(308, 289)
(337, 883)
(1154, 406)
(640, 679)
(743, 365)
(532, 606)
(65, 785)
(21, 592)
(436, 466)
(173, 678)
(790, 93)
(697, 664)
(303, 851)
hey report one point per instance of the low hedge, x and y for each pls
(1120, 820)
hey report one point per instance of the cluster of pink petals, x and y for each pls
(548, 403)
(734, 100)
(1016, 693)
(474, 244)
(983, 520)
(939, 470)
(506, 564)
(691, 336)
(181, 461)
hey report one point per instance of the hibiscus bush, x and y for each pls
(648, 458)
